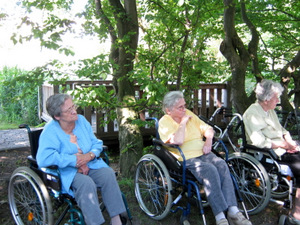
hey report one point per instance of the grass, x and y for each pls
(15, 125)
(7, 126)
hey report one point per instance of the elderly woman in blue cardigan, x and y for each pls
(68, 142)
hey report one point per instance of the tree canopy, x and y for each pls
(173, 44)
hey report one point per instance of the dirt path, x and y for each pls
(11, 159)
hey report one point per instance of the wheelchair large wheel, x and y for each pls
(28, 198)
(153, 187)
(252, 179)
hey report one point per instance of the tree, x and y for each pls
(268, 17)
(177, 49)
(124, 38)
(119, 18)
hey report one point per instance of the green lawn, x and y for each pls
(6, 126)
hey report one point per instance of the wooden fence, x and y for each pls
(205, 100)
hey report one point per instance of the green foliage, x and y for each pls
(178, 44)
(18, 97)
(177, 38)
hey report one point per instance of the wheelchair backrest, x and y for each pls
(162, 152)
(166, 156)
(33, 135)
(245, 145)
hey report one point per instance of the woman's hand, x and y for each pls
(82, 159)
(84, 169)
(207, 146)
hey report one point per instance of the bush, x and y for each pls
(18, 97)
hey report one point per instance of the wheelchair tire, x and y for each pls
(282, 220)
(253, 181)
(28, 198)
(153, 187)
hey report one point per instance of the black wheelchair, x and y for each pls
(35, 195)
(277, 176)
(161, 181)
(281, 178)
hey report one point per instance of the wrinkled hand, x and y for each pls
(185, 119)
(84, 169)
(82, 159)
(292, 151)
(293, 147)
(207, 147)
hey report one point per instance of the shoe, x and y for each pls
(123, 220)
(222, 222)
(238, 219)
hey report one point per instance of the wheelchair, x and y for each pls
(35, 195)
(277, 176)
(280, 175)
(252, 178)
(161, 182)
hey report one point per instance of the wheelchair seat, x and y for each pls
(174, 166)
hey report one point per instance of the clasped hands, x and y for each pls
(81, 164)
(82, 159)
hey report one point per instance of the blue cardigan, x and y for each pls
(55, 148)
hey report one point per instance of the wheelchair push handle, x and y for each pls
(23, 125)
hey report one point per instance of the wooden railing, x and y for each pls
(205, 100)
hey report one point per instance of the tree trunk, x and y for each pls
(238, 57)
(130, 138)
(286, 74)
(124, 40)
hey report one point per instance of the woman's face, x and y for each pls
(68, 112)
(271, 104)
(179, 110)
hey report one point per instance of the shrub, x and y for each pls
(18, 97)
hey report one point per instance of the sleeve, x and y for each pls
(201, 124)
(254, 124)
(166, 128)
(52, 152)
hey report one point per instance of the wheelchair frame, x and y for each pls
(31, 191)
(156, 173)
(279, 175)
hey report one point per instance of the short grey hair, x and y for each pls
(171, 99)
(266, 89)
(54, 103)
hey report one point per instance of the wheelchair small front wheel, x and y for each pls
(184, 220)
(153, 187)
(282, 220)
(28, 198)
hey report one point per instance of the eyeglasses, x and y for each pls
(181, 108)
(69, 110)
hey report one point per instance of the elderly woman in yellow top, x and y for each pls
(182, 127)
(264, 130)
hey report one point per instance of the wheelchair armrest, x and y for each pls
(160, 142)
(166, 156)
(53, 167)
(105, 148)
(104, 155)
(270, 151)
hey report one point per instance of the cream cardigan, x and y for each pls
(263, 128)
